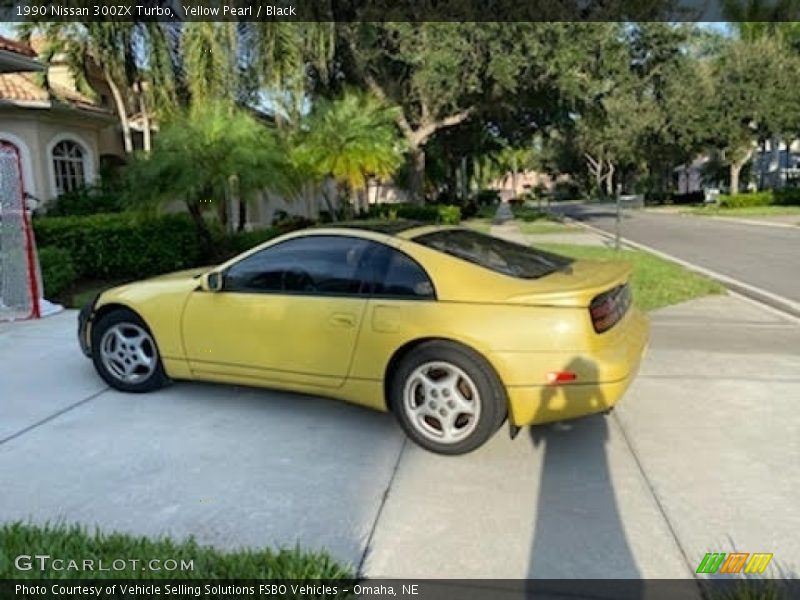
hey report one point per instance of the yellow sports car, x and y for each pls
(451, 330)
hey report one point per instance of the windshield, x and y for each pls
(495, 254)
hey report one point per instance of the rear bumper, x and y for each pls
(620, 360)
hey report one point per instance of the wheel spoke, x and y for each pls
(464, 405)
(119, 337)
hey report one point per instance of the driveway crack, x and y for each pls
(656, 499)
(49, 418)
(368, 546)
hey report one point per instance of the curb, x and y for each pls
(773, 301)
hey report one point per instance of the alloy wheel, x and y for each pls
(442, 402)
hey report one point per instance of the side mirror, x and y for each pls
(211, 281)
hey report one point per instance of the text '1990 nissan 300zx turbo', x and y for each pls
(452, 330)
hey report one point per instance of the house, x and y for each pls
(62, 136)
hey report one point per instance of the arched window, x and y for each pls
(68, 165)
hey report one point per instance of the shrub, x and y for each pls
(427, 213)
(292, 223)
(58, 271)
(226, 247)
(119, 246)
(487, 197)
(469, 209)
(86, 201)
(566, 190)
(742, 200)
(689, 198)
(789, 197)
(449, 214)
(528, 214)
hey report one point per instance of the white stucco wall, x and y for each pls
(35, 132)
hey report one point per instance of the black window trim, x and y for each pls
(360, 272)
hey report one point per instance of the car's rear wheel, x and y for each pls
(125, 353)
(447, 398)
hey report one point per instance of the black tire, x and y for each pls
(491, 396)
(126, 320)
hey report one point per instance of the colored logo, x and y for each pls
(735, 562)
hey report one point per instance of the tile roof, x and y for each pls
(22, 87)
(16, 47)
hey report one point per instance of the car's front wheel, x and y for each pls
(446, 398)
(125, 353)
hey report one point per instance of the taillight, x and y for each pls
(608, 308)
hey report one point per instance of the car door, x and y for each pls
(290, 313)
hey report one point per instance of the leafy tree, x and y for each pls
(203, 153)
(751, 97)
(350, 139)
(443, 74)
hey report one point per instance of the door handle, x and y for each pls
(343, 319)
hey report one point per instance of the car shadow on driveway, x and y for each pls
(578, 532)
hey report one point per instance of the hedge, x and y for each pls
(119, 246)
(790, 197)
(427, 213)
(58, 271)
(742, 200)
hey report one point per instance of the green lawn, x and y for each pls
(656, 282)
(537, 227)
(484, 225)
(74, 542)
(744, 211)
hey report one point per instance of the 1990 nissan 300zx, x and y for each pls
(451, 330)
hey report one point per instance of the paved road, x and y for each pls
(761, 256)
(697, 458)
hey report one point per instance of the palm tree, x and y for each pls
(512, 160)
(202, 153)
(350, 139)
(110, 45)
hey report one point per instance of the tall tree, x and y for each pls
(442, 74)
(752, 97)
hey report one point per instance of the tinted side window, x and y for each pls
(324, 265)
(397, 276)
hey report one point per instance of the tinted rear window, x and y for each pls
(495, 254)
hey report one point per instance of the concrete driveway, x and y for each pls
(701, 456)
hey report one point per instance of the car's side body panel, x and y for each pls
(342, 346)
(273, 337)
